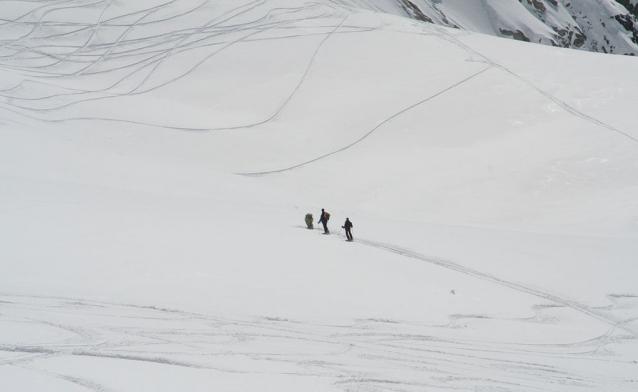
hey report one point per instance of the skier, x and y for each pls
(324, 221)
(348, 225)
(309, 220)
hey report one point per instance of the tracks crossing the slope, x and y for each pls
(365, 354)
(387, 120)
(140, 57)
(449, 264)
(562, 104)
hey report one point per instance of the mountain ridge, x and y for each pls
(608, 26)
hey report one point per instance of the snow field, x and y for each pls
(156, 164)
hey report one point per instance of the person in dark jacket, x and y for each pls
(324, 221)
(348, 225)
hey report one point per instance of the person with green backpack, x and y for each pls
(309, 220)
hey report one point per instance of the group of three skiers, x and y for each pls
(324, 221)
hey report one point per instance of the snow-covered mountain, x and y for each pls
(608, 26)
(157, 160)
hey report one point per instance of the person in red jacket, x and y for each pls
(348, 226)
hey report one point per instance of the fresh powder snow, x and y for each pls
(157, 160)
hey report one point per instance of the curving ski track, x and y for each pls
(432, 357)
(364, 354)
(369, 132)
(568, 108)
(620, 324)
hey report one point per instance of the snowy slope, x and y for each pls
(157, 160)
(470, 110)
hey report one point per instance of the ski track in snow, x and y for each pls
(491, 64)
(214, 34)
(449, 264)
(426, 354)
(144, 56)
(568, 108)
(369, 132)
(364, 354)
(598, 314)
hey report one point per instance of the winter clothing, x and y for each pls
(348, 225)
(324, 221)
(309, 220)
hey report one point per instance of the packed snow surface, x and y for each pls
(157, 160)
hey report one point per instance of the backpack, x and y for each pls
(327, 216)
